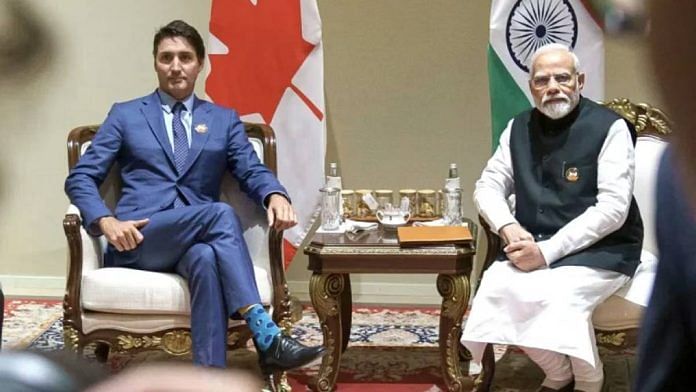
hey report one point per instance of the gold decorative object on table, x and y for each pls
(384, 197)
(427, 203)
(361, 208)
(348, 202)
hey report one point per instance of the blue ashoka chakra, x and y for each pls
(535, 23)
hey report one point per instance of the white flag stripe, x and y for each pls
(301, 151)
(305, 79)
(311, 22)
(215, 46)
(590, 51)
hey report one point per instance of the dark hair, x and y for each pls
(179, 28)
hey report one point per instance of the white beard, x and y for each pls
(556, 110)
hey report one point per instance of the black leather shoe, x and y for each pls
(286, 353)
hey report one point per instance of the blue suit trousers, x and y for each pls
(205, 245)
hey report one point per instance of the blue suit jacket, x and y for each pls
(134, 136)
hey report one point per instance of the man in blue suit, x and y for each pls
(172, 150)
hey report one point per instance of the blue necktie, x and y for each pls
(181, 146)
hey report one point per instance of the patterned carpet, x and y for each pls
(391, 349)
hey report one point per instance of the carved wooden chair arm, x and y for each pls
(71, 299)
(281, 294)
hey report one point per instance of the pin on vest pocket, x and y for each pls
(572, 174)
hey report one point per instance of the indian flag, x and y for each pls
(518, 28)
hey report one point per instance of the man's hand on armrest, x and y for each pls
(280, 213)
(123, 235)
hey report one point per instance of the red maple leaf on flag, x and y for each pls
(266, 49)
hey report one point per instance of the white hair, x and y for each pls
(552, 48)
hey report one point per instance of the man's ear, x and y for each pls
(581, 80)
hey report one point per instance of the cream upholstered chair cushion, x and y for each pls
(130, 291)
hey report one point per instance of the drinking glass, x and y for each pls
(330, 208)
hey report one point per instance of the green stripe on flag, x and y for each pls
(507, 99)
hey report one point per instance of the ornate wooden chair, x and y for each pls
(128, 311)
(616, 320)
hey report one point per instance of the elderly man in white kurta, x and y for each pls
(575, 234)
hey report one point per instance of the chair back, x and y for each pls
(653, 128)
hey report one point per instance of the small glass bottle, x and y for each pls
(333, 179)
(452, 181)
(451, 190)
(453, 172)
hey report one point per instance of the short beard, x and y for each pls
(561, 109)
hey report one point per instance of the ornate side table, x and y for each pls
(333, 257)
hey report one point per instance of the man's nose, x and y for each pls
(553, 87)
(176, 64)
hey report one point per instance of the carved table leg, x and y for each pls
(326, 293)
(454, 290)
(346, 311)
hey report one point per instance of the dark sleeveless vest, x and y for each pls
(555, 173)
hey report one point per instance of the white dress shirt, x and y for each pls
(615, 175)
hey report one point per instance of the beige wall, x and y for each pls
(406, 94)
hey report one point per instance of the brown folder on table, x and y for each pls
(433, 235)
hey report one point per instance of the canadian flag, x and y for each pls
(266, 61)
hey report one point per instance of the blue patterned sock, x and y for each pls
(262, 326)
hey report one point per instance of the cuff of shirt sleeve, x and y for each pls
(497, 227)
(267, 198)
(550, 252)
(93, 228)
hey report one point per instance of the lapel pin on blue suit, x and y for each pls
(201, 128)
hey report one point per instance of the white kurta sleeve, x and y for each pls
(495, 185)
(615, 176)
